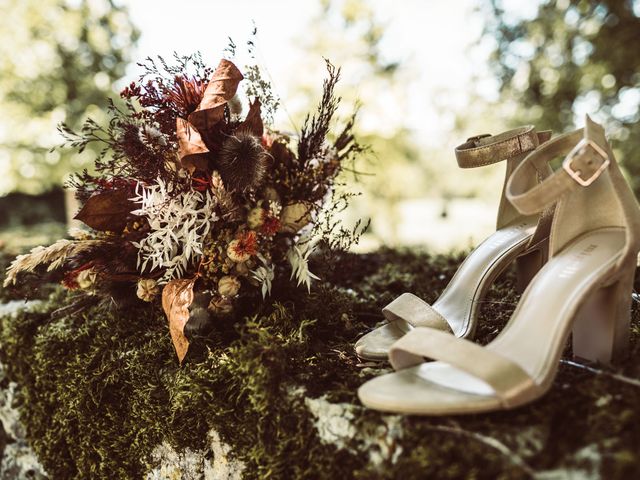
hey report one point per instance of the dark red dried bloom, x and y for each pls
(246, 244)
(185, 94)
(131, 91)
(270, 226)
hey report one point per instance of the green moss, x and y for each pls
(100, 390)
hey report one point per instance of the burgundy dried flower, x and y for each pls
(271, 226)
(185, 94)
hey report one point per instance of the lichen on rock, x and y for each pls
(336, 424)
(18, 460)
(215, 462)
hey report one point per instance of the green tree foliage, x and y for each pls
(573, 57)
(351, 34)
(58, 61)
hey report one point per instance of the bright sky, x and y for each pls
(432, 38)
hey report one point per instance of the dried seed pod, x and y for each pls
(221, 306)
(242, 162)
(228, 286)
(147, 289)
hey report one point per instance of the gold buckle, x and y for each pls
(580, 148)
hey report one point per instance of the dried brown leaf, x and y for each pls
(177, 295)
(191, 149)
(222, 87)
(107, 211)
(253, 123)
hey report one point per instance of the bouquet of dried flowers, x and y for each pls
(193, 203)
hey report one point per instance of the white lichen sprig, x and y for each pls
(179, 224)
(298, 256)
(264, 275)
(53, 255)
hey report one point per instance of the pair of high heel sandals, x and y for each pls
(574, 235)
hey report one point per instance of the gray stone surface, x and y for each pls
(214, 463)
(18, 461)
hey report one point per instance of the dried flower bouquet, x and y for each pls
(193, 203)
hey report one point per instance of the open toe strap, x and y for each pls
(508, 380)
(416, 312)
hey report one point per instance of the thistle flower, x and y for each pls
(243, 248)
(242, 162)
(82, 277)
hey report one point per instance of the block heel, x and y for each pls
(601, 326)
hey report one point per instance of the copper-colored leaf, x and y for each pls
(107, 211)
(222, 87)
(253, 122)
(177, 295)
(191, 148)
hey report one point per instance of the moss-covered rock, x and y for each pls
(273, 395)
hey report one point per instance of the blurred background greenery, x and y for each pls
(427, 75)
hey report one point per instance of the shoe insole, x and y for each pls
(460, 297)
(535, 335)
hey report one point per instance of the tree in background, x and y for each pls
(351, 34)
(573, 57)
(58, 61)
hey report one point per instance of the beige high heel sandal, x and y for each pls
(519, 238)
(585, 286)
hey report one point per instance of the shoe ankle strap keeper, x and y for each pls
(584, 163)
(488, 149)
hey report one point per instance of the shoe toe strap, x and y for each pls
(416, 312)
(507, 378)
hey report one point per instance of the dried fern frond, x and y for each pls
(54, 255)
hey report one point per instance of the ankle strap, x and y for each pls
(487, 149)
(587, 158)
